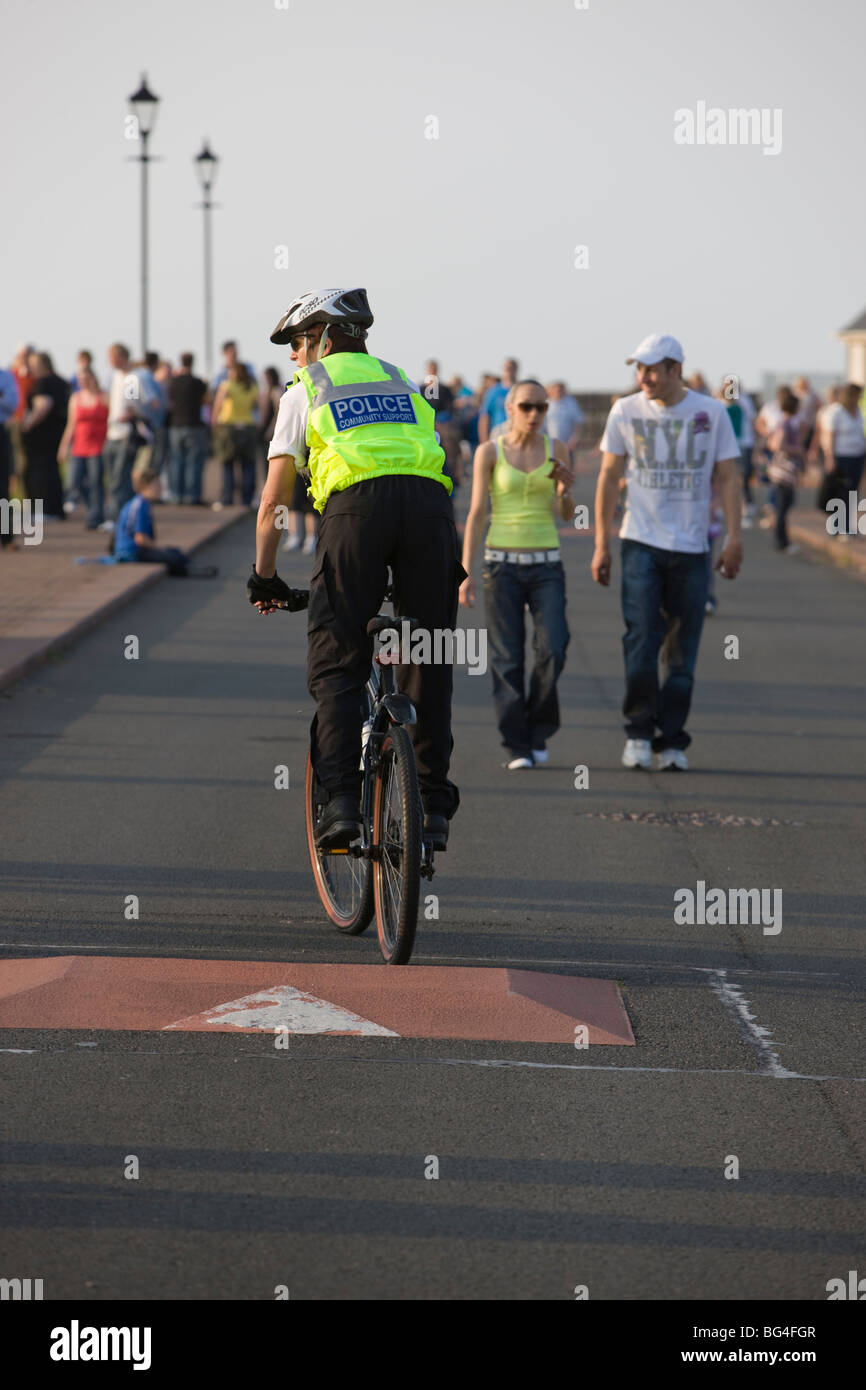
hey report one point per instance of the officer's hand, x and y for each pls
(268, 594)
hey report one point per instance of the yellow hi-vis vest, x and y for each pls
(365, 422)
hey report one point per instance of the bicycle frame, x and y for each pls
(388, 705)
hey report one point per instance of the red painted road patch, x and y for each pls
(411, 1001)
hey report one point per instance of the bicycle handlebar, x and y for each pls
(284, 607)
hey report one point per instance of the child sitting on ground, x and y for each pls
(135, 536)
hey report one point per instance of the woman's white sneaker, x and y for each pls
(637, 753)
(673, 760)
(517, 764)
(540, 756)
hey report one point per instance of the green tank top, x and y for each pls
(521, 504)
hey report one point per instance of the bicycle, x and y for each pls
(381, 873)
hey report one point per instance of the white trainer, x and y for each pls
(310, 545)
(540, 756)
(292, 543)
(638, 752)
(673, 760)
(517, 764)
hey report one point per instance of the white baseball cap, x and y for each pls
(655, 348)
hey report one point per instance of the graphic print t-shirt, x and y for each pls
(671, 452)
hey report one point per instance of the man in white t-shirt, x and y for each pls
(672, 445)
(122, 440)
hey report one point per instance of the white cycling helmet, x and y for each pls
(349, 310)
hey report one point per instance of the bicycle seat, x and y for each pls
(380, 623)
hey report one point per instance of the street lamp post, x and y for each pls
(144, 104)
(206, 167)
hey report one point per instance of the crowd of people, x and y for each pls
(115, 446)
(73, 442)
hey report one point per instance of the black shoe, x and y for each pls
(339, 823)
(436, 830)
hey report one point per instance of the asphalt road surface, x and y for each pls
(558, 1167)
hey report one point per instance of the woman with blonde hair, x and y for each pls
(235, 413)
(527, 479)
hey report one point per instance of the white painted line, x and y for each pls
(475, 1062)
(737, 1004)
(286, 1007)
(783, 1075)
(621, 965)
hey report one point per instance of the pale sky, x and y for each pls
(555, 130)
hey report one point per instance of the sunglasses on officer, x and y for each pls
(299, 339)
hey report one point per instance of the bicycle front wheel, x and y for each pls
(398, 841)
(344, 882)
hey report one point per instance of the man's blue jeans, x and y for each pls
(119, 456)
(188, 446)
(525, 721)
(664, 593)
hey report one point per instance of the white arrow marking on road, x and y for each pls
(287, 1007)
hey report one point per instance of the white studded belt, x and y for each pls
(522, 557)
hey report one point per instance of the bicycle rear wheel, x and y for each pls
(344, 882)
(397, 836)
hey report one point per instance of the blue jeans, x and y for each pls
(785, 495)
(664, 593)
(176, 560)
(188, 445)
(525, 721)
(119, 457)
(87, 482)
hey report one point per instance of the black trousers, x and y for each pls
(405, 522)
(43, 478)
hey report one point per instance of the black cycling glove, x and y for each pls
(275, 591)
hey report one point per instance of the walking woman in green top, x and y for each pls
(528, 480)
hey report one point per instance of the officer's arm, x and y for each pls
(273, 512)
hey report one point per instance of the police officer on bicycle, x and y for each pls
(365, 435)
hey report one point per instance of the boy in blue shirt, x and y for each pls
(135, 535)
